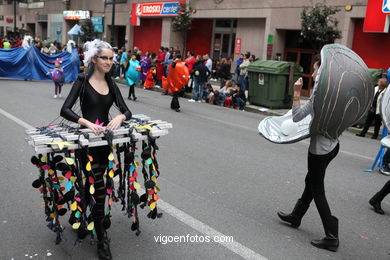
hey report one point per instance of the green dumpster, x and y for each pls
(376, 74)
(271, 83)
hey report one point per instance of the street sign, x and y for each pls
(237, 46)
(58, 30)
(376, 19)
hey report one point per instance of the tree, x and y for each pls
(182, 22)
(319, 26)
(88, 31)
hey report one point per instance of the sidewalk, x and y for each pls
(257, 109)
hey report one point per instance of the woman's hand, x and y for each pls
(116, 122)
(298, 87)
(96, 129)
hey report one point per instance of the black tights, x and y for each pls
(314, 182)
(132, 91)
(100, 198)
(99, 166)
(175, 100)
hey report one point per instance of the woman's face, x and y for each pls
(103, 61)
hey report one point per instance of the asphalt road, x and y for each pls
(218, 177)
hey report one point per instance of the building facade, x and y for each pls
(222, 28)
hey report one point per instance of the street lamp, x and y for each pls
(112, 23)
(14, 16)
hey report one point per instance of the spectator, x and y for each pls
(237, 69)
(52, 49)
(145, 66)
(123, 61)
(244, 73)
(238, 98)
(160, 67)
(201, 74)
(224, 91)
(190, 61)
(374, 112)
(6, 44)
(224, 72)
(118, 64)
(209, 63)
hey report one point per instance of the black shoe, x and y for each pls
(177, 109)
(164, 94)
(103, 249)
(134, 98)
(361, 135)
(331, 240)
(295, 217)
(331, 244)
(377, 206)
(374, 137)
(129, 98)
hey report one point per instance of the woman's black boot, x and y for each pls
(103, 248)
(331, 240)
(295, 217)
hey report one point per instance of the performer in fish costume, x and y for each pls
(132, 75)
(342, 94)
(178, 76)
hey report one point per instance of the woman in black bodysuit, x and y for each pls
(97, 93)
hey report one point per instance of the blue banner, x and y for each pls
(19, 63)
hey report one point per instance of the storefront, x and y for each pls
(55, 27)
(371, 38)
(72, 17)
(150, 19)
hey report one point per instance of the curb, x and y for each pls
(252, 109)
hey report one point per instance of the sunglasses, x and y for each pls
(105, 58)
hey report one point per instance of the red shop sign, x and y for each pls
(237, 46)
(159, 9)
(377, 19)
(9, 20)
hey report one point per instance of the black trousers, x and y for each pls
(175, 101)
(383, 192)
(377, 124)
(57, 88)
(314, 183)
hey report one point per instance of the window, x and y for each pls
(116, 1)
(222, 23)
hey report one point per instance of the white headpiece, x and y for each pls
(92, 48)
(70, 45)
(27, 40)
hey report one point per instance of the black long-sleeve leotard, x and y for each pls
(94, 106)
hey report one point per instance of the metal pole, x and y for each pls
(112, 23)
(14, 16)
